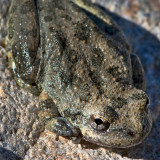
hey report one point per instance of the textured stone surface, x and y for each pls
(19, 128)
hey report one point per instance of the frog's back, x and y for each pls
(81, 61)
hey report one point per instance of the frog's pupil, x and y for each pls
(98, 121)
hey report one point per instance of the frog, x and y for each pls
(90, 85)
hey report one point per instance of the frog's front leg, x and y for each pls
(50, 118)
(137, 73)
(22, 42)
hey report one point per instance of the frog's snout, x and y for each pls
(137, 100)
(144, 104)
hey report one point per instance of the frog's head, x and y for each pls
(119, 123)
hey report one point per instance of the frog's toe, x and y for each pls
(63, 127)
(77, 139)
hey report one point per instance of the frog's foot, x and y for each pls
(52, 121)
(63, 127)
(137, 73)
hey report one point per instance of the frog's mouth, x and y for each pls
(110, 135)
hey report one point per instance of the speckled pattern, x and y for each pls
(142, 29)
(81, 69)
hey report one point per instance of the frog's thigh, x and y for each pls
(22, 41)
(50, 117)
(138, 72)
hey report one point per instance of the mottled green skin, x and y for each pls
(57, 48)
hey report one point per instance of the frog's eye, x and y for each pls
(98, 124)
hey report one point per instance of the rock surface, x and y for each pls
(21, 136)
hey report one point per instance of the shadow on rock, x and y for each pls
(8, 155)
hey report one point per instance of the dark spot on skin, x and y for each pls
(51, 85)
(85, 97)
(75, 80)
(47, 18)
(82, 31)
(83, 88)
(61, 40)
(138, 97)
(67, 113)
(72, 56)
(14, 50)
(67, 17)
(46, 104)
(32, 54)
(130, 133)
(11, 33)
(97, 57)
(64, 79)
(110, 113)
(119, 52)
(118, 102)
(144, 126)
(72, 113)
(51, 29)
(95, 77)
(34, 33)
(33, 84)
(41, 8)
(57, 4)
(24, 31)
(73, 118)
(113, 71)
(26, 8)
(110, 43)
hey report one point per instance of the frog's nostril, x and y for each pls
(131, 133)
(147, 101)
(144, 127)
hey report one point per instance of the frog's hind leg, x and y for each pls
(22, 42)
(51, 119)
(137, 73)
